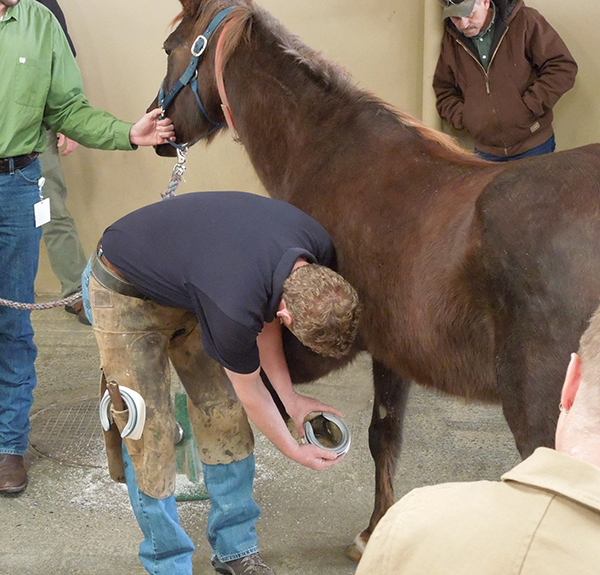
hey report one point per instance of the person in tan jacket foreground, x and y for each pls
(542, 518)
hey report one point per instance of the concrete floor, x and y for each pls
(73, 519)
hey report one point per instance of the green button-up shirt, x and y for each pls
(40, 83)
(483, 40)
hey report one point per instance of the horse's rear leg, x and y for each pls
(385, 439)
(530, 378)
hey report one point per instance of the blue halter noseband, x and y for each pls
(190, 76)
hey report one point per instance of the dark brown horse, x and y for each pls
(477, 279)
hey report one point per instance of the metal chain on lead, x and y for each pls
(178, 170)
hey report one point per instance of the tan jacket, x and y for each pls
(508, 108)
(542, 519)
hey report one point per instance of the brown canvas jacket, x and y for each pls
(508, 109)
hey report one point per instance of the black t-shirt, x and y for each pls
(222, 255)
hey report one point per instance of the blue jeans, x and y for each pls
(233, 512)
(19, 254)
(85, 291)
(546, 148)
(166, 548)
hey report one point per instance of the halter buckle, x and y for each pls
(197, 49)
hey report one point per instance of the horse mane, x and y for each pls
(333, 77)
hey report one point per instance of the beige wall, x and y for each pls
(390, 47)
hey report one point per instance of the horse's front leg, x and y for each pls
(385, 440)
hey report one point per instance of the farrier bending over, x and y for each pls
(212, 275)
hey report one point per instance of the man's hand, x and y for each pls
(69, 145)
(314, 457)
(150, 131)
(272, 360)
(299, 406)
(263, 412)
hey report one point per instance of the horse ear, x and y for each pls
(190, 6)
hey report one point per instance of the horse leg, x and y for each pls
(385, 440)
(530, 377)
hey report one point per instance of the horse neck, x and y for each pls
(292, 122)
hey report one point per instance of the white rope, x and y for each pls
(36, 306)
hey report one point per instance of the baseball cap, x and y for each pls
(457, 8)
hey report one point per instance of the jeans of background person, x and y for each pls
(19, 254)
(65, 253)
(546, 148)
(231, 522)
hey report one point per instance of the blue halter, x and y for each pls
(190, 76)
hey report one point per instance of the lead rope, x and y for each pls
(176, 179)
(178, 170)
(46, 305)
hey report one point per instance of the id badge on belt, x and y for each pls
(42, 208)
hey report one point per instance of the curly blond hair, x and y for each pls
(324, 308)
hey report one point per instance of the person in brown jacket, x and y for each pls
(543, 518)
(501, 70)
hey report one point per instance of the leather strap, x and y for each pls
(111, 279)
(16, 162)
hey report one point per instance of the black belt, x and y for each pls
(110, 279)
(16, 162)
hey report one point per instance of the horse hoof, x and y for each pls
(355, 550)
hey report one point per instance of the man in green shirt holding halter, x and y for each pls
(41, 85)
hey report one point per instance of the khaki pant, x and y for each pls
(60, 233)
(136, 338)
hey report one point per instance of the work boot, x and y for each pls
(249, 565)
(77, 309)
(13, 477)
